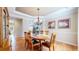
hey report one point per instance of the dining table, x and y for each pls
(41, 37)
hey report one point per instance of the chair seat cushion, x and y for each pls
(34, 41)
(46, 43)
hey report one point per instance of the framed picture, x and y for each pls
(51, 24)
(64, 23)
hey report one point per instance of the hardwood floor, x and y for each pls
(63, 47)
(19, 46)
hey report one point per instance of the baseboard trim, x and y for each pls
(67, 43)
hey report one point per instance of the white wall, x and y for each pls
(27, 23)
(18, 28)
(68, 35)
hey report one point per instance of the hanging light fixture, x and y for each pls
(39, 21)
(38, 15)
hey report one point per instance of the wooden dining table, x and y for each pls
(41, 37)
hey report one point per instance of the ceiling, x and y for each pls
(33, 10)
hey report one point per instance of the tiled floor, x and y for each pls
(18, 45)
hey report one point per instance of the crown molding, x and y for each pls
(63, 11)
(15, 14)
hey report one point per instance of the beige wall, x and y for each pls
(68, 35)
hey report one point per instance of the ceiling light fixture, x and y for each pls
(38, 14)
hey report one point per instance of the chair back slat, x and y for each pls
(52, 40)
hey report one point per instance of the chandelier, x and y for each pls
(38, 20)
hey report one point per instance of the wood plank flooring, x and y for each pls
(19, 46)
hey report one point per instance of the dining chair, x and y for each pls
(26, 40)
(51, 43)
(31, 43)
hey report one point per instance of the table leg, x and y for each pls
(40, 46)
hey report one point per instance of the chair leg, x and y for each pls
(53, 48)
(25, 44)
(49, 49)
(31, 48)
